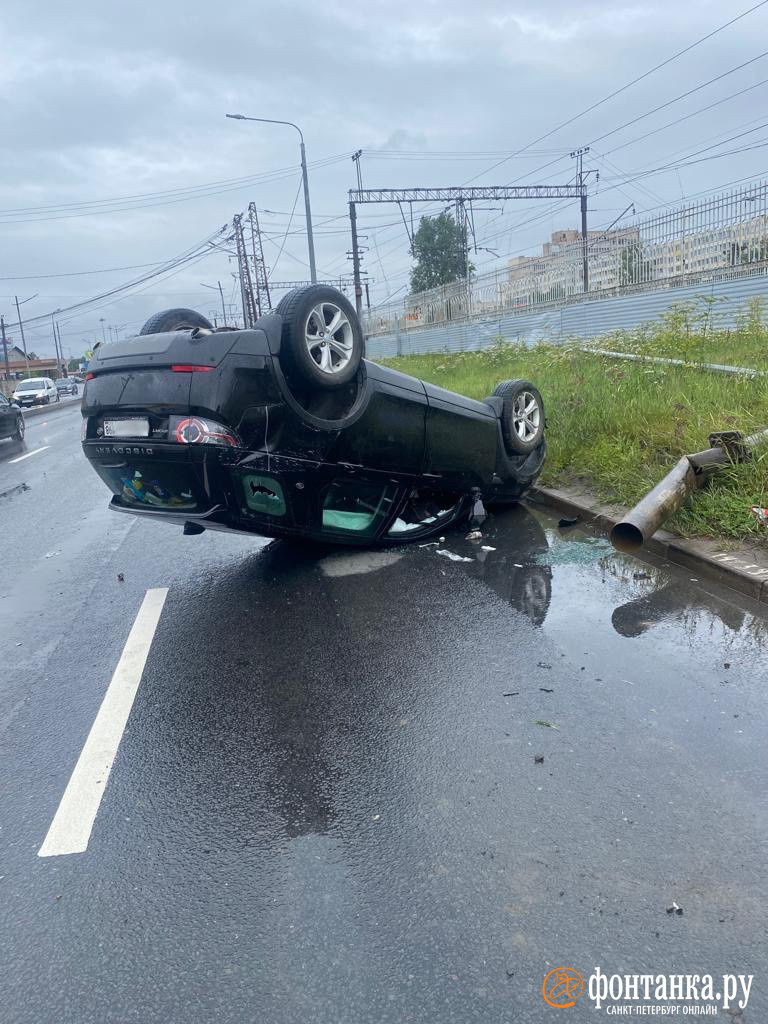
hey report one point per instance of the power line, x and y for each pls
(86, 211)
(623, 88)
(188, 256)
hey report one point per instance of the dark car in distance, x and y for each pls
(66, 386)
(11, 419)
(286, 429)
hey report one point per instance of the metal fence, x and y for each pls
(719, 239)
(583, 318)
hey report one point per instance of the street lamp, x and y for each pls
(310, 239)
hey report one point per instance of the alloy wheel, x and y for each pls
(526, 416)
(329, 338)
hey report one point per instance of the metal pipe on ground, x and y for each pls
(690, 473)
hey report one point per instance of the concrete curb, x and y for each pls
(41, 410)
(744, 570)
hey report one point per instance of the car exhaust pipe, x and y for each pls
(690, 473)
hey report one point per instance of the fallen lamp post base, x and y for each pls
(690, 473)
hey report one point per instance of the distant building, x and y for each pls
(16, 366)
(623, 257)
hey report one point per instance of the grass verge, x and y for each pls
(617, 428)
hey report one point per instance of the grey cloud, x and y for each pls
(114, 99)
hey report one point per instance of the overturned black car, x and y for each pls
(286, 430)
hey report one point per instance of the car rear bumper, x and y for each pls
(236, 490)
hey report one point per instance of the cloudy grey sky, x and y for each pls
(106, 101)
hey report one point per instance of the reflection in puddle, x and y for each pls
(509, 557)
(670, 602)
(574, 549)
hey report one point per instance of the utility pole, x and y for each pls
(21, 331)
(578, 155)
(461, 221)
(259, 264)
(61, 364)
(55, 339)
(5, 349)
(246, 285)
(223, 310)
(356, 261)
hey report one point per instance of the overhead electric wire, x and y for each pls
(200, 249)
(623, 88)
(285, 236)
(108, 210)
(290, 170)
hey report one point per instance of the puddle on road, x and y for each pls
(574, 550)
(523, 556)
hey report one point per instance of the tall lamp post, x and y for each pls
(310, 239)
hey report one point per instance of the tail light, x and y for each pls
(195, 430)
(191, 368)
(90, 376)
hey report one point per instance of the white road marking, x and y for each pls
(21, 458)
(71, 826)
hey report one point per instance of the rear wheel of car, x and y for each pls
(20, 426)
(175, 320)
(322, 340)
(522, 418)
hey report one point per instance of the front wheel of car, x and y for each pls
(522, 417)
(20, 427)
(322, 338)
(175, 320)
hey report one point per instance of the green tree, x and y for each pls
(438, 248)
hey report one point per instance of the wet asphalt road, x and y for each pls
(327, 806)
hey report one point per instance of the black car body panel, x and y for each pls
(10, 418)
(383, 459)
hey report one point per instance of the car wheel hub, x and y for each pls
(526, 416)
(329, 338)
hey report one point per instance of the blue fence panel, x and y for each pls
(573, 320)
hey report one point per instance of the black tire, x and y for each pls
(321, 364)
(20, 427)
(175, 320)
(74, 389)
(522, 425)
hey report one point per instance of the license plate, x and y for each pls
(135, 427)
